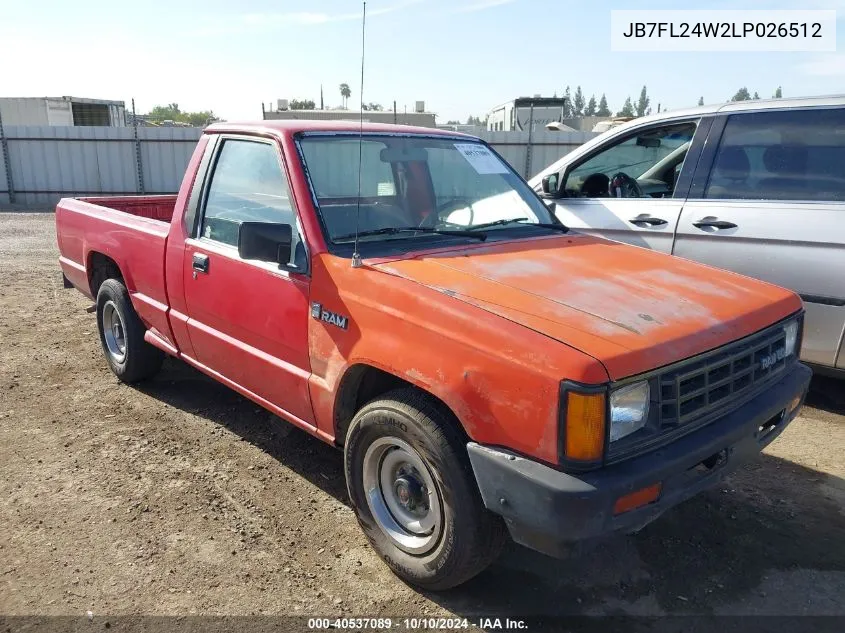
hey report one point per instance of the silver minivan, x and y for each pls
(756, 187)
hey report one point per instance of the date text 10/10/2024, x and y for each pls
(412, 624)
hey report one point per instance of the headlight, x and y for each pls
(628, 409)
(791, 332)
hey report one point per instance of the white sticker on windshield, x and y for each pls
(481, 158)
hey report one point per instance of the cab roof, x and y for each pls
(289, 127)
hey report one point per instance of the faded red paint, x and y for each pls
(633, 309)
(491, 330)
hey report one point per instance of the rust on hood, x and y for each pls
(632, 309)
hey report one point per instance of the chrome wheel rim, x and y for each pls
(114, 332)
(402, 496)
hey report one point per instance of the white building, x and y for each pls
(516, 114)
(62, 111)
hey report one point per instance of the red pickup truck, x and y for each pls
(402, 294)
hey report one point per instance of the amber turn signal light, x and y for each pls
(585, 426)
(637, 499)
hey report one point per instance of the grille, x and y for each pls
(699, 387)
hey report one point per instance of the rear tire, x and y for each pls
(129, 356)
(413, 490)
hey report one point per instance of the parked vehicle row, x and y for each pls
(755, 187)
(403, 294)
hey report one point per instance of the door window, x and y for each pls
(248, 185)
(783, 155)
(646, 165)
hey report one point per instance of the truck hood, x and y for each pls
(630, 308)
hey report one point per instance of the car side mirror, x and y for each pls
(551, 185)
(266, 242)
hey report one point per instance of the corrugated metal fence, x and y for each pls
(48, 163)
(546, 147)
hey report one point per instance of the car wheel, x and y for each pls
(130, 357)
(413, 490)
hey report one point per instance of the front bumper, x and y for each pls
(549, 510)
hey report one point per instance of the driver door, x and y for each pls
(628, 189)
(248, 319)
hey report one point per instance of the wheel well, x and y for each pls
(362, 384)
(101, 267)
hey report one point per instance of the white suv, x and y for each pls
(757, 187)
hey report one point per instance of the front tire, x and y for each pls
(412, 488)
(129, 356)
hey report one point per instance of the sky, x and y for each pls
(462, 57)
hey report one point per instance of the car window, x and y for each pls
(457, 186)
(410, 181)
(652, 158)
(248, 184)
(783, 155)
(333, 167)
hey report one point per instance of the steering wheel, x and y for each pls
(623, 186)
(433, 219)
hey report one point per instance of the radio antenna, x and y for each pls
(356, 256)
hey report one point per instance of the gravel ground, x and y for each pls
(181, 497)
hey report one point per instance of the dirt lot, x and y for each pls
(181, 497)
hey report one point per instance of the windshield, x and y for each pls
(436, 184)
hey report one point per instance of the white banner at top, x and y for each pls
(718, 30)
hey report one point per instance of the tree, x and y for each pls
(567, 105)
(201, 118)
(756, 96)
(701, 101)
(345, 93)
(375, 107)
(603, 109)
(578, 102)
(474, 120)
(642, 103)
(453, 122)
(590, 110)
(741, 95)
(778, 94)
(304, 104)
(627, 109)
(171, 112)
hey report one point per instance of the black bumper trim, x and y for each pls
(549, 510)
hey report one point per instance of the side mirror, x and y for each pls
(551, 185)
(266, 242)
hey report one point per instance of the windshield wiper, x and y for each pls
(392, 230)
(524, 222)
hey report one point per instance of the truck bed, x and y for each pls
(153, 207)
(128, 231)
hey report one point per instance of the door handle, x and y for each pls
(716, 224)
(648, 220)
(199, 262)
